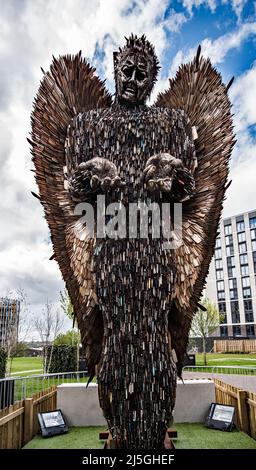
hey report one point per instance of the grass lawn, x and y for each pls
(20, 364)
(227, 359)
(190, 436)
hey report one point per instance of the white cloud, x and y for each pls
(190, 4)
(238, 6)
(243, 94)
(30, 33)
(241, 195)
(216, 49)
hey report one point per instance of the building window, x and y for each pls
(235, 312)
(230, 250)
(247, 293)
(253, 245)
(222, 307)
(248, 310)
(218, 264)
(233, 289)
(229, 240)
(241, 237)
(245, 270)
(231, 272)
(253, 234)
(252, 222)
(222, 312)
(246, 281)
(221, 295)
(240, 226)
(220, 286)
(218, 253)
(218, 243)
(243, 259)
(236, 330)
(228, 229)
(242, 247)
(223, 331)
(254, 260)
(250, 330)
(231, 261)
(232, 283)
(219, 274)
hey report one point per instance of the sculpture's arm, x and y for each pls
(94, 176)
(163, 172)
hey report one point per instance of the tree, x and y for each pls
(70, 338)
(205, 322)
(48, 326)
(67, 307)
(18, 333)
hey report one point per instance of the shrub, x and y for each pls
(64, 358)
(3, 361)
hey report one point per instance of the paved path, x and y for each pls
(246, 382)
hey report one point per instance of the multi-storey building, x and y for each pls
(231, 282)
(9, 319)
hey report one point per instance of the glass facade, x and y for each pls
(235, 254)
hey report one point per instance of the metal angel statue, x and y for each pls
(133, 298)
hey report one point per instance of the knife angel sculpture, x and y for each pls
(134, 297)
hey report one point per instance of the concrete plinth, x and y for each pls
(80, 404)
(193, 400)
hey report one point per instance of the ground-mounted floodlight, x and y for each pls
(52, 423)
(221, 417)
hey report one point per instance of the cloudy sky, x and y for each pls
(33, 30)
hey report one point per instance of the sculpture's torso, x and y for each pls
(128, 138)
(134, 277)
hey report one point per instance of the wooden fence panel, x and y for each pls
(234, 346)
(19, 423)
(11, 426)
(244, 403)
(251, 401)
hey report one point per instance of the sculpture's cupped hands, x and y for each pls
(163, 172)
(95, 175)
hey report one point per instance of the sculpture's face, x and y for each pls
(134, 80)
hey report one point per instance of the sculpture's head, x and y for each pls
(136, 67)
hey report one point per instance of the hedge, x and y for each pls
(64, 358)
(3, 361)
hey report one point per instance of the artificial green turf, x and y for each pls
(197, 436)
(76, 438)
(190, 436)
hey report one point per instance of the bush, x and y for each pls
(64, 358)
(3, 361)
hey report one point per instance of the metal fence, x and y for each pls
(13, 389)
(216, 370)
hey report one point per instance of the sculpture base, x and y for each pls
(111, 444)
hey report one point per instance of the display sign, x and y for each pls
(52, 423)
(221, 417)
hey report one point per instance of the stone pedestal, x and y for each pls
(80, 404)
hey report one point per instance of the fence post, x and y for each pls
(243, 418)
(28, 420)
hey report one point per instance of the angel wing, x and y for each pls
(70, 87)
(199, 91)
